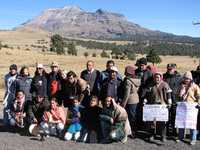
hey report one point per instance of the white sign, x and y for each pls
(186, 115)
(155, 113)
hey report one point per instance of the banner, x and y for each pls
(155, 113)
(186, 115)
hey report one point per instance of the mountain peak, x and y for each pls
(72, 7)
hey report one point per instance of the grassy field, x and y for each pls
(29, 55)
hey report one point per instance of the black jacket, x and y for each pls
(39, 86)
(36, 110)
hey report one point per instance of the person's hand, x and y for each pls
(35, 120)
(123, 105)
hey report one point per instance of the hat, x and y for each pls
(130, 70)
(188, 75)
(113, 68)
(141, 61)
(171, 66)
(40, 66)
(54, 64)
(13, 67)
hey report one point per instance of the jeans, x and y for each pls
(131, 110)
(193, 134)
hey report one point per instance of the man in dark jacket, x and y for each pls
(54, 81)
(91, 76)
(112, 86)
(146, 77)
(71, 87)
(36, 109)
(173, 78)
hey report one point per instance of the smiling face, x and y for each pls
(53, 104)
(13, 71)
(26, 71)
(108, 101)
(157, 78)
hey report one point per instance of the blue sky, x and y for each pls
(174, 16)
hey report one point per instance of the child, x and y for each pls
(91, 122)
(54, 119)
(73, 131)
(16, 112)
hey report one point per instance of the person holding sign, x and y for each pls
(188, 92)
(159, 94)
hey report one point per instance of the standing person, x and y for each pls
(112, 86)
(173, 78)
(74, 128)
(130, 97)
(160, 94)
(10, 86)
(146, 77)
(105, 74)
(23, 83)
(73, 86)
(188, 92)
(54, 81)
(92, 77)
(54, 119)
(39, 82)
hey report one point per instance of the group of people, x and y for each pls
(97, 107)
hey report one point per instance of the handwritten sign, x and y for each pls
(186, 115)
(155, 113)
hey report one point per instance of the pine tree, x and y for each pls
(57, 44)
(153, 57)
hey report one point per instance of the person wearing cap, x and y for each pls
(112, 86)
(146, 77)
(91, 76)
(173, 78)
(10, 91)
(130, 97)
(188, 92)
(23, 82)
(105, 74)
(54, 81)
(39, 82)
(159, 94)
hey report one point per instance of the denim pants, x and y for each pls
(193, 134)
(131, 110)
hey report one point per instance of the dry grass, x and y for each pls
(30, 57)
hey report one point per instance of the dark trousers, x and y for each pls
(132, 116)
(157, 128)
(171, 130)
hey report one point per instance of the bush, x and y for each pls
(71, 49)
(131, 56)
(86, 54)
(94, 55)
(153, 57)
(104, 54)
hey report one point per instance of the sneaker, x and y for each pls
(193, 142)
(177, 141)
(150, 139)
(124, 140)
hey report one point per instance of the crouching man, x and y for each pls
(113, 119)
